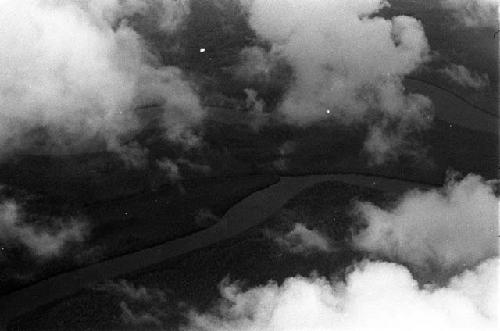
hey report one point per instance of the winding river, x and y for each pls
(249, 212)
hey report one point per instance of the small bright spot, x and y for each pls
(202, 50)
(328, 111)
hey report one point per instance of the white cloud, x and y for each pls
(284, 151)
(42, 242)
(67, 68)
(464, 77)
(344, 60)
(458, 224)
(474, 13)
(449, 228)
(375, 296)
(302, 240)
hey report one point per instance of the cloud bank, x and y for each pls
(74, 72)
(348, 60)
(474, 13)
(41, 241)
(375, 296)
(453, 227)
(462, 76)
(140, 306)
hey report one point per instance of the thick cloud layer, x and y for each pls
(454, 227)
(375, 296)
(41, 241)
(347, 60)
(474, 13)
(76, 70)
(130, 291)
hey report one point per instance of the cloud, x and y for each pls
(284, 152)
(142, 318)
(170, 169)
(449, 228)
(41, 241)
(167, 14)
(75, 72)
(462, 76)
(474, 13)
(140, 306)
(370, 294)
(173, 13)
(257, 64)
(346, 59)
(255, 107)
(205, 218)
(132, 292)
(302, 240)
(456, 224)
(197, 167)
(375, 296)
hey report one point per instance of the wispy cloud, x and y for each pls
(141, 307)
(474, 13)
(457, 224)
(464, 77)
(43, 240)
(301, 240)
(132, 292)
(375, 296)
